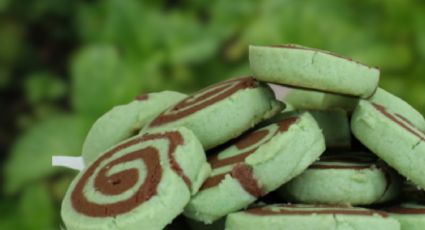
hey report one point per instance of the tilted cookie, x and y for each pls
(142, 183)
(309, 217)
(344, 178)
(256, 164)
(221, 112)
(123, 121)
(410, 215)
(393, 138)
(308, 68)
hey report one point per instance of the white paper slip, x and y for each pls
(76, 163)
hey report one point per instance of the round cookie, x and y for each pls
(221, 112)
(308, 217)
(410, 215)
(393, 138)
(256, 164)
(124, 121)
(349, 178)
(308, 68)
(141, 183)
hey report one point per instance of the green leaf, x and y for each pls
(44, 86)
(36, 208)
(31, 155)
(10, 218)
(101, 80)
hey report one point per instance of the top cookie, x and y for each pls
(309, 68)
(221, 112)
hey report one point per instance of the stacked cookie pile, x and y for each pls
(332, 155)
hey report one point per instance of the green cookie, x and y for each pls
(256, 164)
(350, 178)
(123, 121)
(393, 138)
(221, 112)
(141, 183)
(411, 216)
(308, 68)
(309, 217)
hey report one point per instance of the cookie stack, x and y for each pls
(338, 153)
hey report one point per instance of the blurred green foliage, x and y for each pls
(64, 63)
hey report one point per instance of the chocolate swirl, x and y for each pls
(108, 182)
(241, 149)
(203, 99)
(312, 210)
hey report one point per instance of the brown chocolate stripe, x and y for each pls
(405, 210)
(324, 211)
(122, 181)
(245, 142)
(214, 94)
(394, 118)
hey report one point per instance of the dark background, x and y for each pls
(63, 63)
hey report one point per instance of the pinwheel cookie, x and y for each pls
(393, 138)
(123, 121)
(221, 112)
(344, 178)
(310, 217)
(308, 68)
(141, 183)
(256, 164)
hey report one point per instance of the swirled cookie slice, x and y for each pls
(344, 178)
(393, 138)
(221, 112)
(123, 121)
(410, 215)
(256, 164)
(141, 183)
(308, 68)
(310, 217)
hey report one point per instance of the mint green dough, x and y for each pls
(225, 119)
(343, 178)
(393, 138)
(304, 67)
(397, 105)
(315, 100)
(308, 217)
(274, 157)
(156, 190)
(336, 128)
(410, 215)
(123, 121)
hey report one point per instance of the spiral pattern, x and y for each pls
(127, 176)
(231, 160)
(203, 99)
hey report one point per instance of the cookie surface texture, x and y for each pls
(141, 183)
(344, 178)
(308, 68)
(256, 164)
(393, 138)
